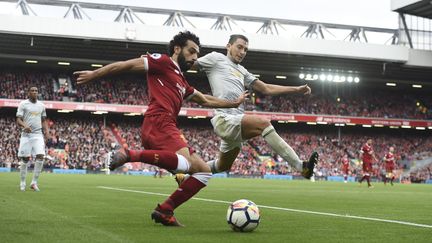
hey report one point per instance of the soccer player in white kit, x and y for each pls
(228, 79)
(31, 117)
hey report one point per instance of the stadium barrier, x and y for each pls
(63, 171)
(278, 177)
(340, 178)
(5, 169)
(429, 181)
(220, 175)
(144, 173)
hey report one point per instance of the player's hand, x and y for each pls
(244, 96)
(83, 77)
(27, 129)
(304, 89)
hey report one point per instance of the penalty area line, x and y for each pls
(283, 209)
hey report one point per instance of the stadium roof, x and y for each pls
(420, 8)
(48, 50)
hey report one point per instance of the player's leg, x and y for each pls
(38, 166)
(24, 153)
(253, 126)
(38, 144)
(168, 160)
(225, 159)
(23, 172)
(227, 155)
(200, 174)
(368, 173)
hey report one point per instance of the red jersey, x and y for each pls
(367, 153)
(345, 165)
(345, 162)
(167, 87)
(389, 161)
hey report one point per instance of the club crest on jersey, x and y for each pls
(181, 89)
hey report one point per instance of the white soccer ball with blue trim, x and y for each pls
(243, 215)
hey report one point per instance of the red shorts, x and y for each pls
(345, 170)
(367, 167)
(389, 169)
(160, 132)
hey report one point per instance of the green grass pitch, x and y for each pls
(76, 208)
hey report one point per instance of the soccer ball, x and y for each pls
(243, 215)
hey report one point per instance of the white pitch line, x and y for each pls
(283, 209)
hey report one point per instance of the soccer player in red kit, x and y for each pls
(389, 164)
(367, 157)
(345, 167)
(165, 145)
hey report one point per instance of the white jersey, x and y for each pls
(227, 79)
(32, 114)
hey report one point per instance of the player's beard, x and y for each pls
(183, 64)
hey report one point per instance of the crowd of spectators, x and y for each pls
(71, 144)
(364, 102)
(14, 85)
(83, 143)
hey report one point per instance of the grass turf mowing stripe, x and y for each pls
(283, 209)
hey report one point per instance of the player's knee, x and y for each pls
(25, 159)
(39, 156)
(263, 123)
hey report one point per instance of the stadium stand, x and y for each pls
(345, 101)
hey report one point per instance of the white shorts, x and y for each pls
(228, 128)
(31, 144)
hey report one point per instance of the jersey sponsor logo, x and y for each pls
(156, 55)
(181, 89)
(236, 73)
(34, 113)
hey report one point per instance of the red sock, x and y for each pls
(368, 180)
(187, 189)
(160, 158)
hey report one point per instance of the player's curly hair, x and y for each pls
(180, 40)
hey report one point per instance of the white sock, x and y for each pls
(203, 177)
(182, 165)
(213, 166)
(281, 147)
(37, 170)
(23, 171)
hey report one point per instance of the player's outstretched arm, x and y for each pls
(132, 65)
(273, 89)
(214, 102)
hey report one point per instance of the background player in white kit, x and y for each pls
(31, 117)
(228, 79)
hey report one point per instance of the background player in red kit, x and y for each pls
(165, 146)
(389, 164)
(345, 167)
(368, 157)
